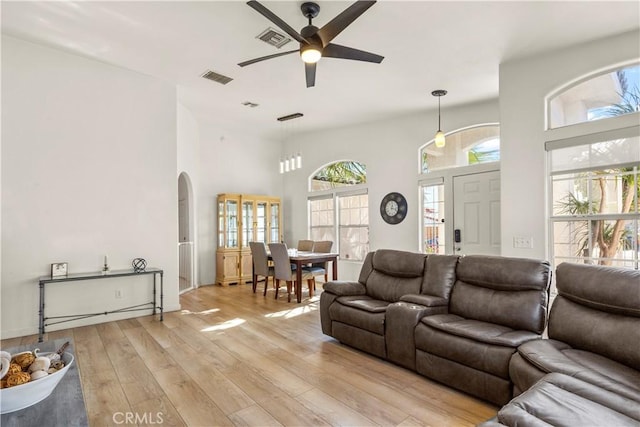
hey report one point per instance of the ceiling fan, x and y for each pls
(316, 42)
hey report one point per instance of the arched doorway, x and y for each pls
(185, 234)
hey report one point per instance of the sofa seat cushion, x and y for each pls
(560, 400)
(555, 356)
(360, 311)
(489, 333)
(479, 355)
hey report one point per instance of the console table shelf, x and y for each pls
(94, 276)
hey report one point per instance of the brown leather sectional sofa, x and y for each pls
(476, 323)
(588, 372)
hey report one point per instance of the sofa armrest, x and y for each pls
(344, 288)
(426, 300)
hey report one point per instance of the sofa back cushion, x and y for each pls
(394, 274)
(439, 275)
(512, 292)
(598, 310)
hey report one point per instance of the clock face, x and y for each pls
(393, 208)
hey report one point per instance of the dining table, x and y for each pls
(302, 258)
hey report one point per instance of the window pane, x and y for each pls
(606, 153)
(339, 174)
(607, 95)
(475, 145)
(354, 227)
(433, 235)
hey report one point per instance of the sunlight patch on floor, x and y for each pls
(224, 325)
(293, 312)
(211, 310)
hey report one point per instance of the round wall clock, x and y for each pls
(393, 208)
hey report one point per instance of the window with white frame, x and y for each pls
(353, 220)
(339, 211)
(594, 178)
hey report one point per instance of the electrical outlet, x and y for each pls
(118, 293)
(523, 242)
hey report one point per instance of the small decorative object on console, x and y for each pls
(59, 269)
(139, 264)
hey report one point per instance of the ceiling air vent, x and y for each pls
(290, 117)
(273, 37)
(218, 78)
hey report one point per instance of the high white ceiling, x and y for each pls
(427, 45)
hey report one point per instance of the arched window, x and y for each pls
(594, 177)
(340, 207)
(610, 94)
(473, 145)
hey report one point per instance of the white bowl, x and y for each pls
(27, 394)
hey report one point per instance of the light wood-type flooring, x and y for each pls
(231, 357)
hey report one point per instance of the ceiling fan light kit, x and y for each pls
(439, 138)
(310, 54)
(315, 42)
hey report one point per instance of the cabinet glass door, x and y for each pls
(274, 223)
(261, 222)
(220, 224)
(247, 223)
(232, 224)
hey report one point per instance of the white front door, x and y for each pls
(476, 213)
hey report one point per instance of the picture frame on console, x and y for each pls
(59, 269)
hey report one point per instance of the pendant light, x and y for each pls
(439, 138)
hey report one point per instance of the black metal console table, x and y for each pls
(93, 276)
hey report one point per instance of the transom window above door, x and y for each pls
(473, 145)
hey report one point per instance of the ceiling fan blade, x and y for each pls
(344, 52)
(263, 58)
(342, 21)
(276, 20)
(310, 72)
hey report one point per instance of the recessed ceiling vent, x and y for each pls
(218, 78)
(273, 37)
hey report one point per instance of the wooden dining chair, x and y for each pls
(284, 271)
(305, 245)
(260, 265)
(321, 268)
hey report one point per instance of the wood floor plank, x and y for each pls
(332, 410)
(103, 393)
(158, 411)
(223, 392)
(195, 408)
(232, 357)
(253, 416)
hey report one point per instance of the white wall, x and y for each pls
(524, 84)
(88, 169)
(229, 163)
(188, 152)
(390, 150)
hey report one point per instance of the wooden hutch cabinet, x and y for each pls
(244, 218)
